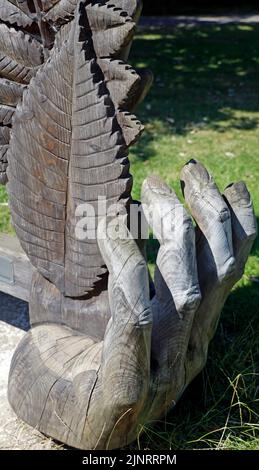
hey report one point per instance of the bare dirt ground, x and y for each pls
(14, 434)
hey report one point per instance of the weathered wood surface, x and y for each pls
(15, 12)
(10, 94)
(20, 279)
(73, 116)
(68, 118)
(94, 393)
(49, 305)
(15, 269)
(3, 164)
(20, 55)
(28, 30)
(104, 355)
(62, 11)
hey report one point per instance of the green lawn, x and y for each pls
(205, 105)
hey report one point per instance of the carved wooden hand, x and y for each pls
(97, 394)
(195, 273)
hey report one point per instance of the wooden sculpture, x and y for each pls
(104, 356)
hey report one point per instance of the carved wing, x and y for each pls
(21, 50)
(68, 146)
(10, 94)
(61, 11)
(21, 54)
(16, 12)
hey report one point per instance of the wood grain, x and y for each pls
(20, 55)
(68, 118)
(109, 349)
(10, 92)
(3, 164)
(15, 12)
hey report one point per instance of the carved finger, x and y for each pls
(214, 296)
(176, 261)
(127, 343)
(177, 290)
(212, 216)
(244, 227)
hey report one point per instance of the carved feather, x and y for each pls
(112, 29)
(132, 7)
(48, 4)
(23, 5)
(122, 81)
(15, 12)
(106, 43)
(6, 114)
(3, 163)
(10, 95)
(66, 148)
(20, 55)
(10, 92)
(61, 12)
(131, 127)
(4, 135)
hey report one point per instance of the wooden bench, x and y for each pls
(15, 268)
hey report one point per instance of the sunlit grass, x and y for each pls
(5, 220)
(205, 105)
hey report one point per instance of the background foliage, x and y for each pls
(205, 105)
(172, 7)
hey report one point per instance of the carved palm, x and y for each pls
(102, 358)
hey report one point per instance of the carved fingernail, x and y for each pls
(196, 171)
(238, 193)
(157, 185)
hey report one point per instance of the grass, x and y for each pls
(5, 222)
(205, 105)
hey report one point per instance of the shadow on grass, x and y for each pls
(205, 77)
(224, 394)
(255, 249)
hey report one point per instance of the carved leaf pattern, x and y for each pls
(10, 92)
(20, 55)
(3, 163)
(111, 27)
(15, 12)
(66, 148)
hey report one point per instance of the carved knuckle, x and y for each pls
(223, 215)
(189, 301)
(187, 223)
(227, 270)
